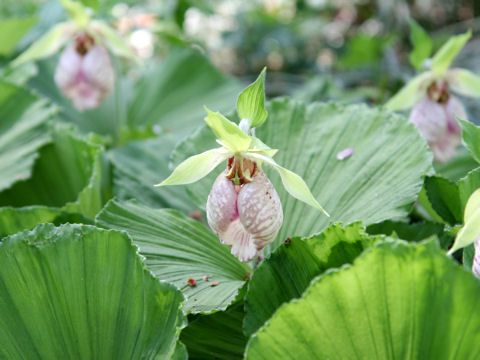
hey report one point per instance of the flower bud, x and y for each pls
(85, 73)
(436, 121)
(247, 217)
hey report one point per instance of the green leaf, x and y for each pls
(471, 138)
(180, 352)
(380, 181)
(47, 45)
(177, 248)
(464, 82)
(69, 175)
(458, 167)
(22, 132)
(410, 232)
(154, 155)
(467, 257)
(443, 58)
(12, 31)
(397, 301)
(422, 45)
(470, 232)
(467, 186)
(288, 272)
(112, 40)
(168, 95)
(292, 183)
(227, 132)
(411, 92)
(77, 11)
(79, 292)
(251, 101)
(216, 336)
(444, 198)
(196, 167)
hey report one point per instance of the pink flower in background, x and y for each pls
(435, 116)
(247, 217)
(85, 73)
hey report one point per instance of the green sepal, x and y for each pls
(470, 231)
(411, 93)
(78, 13)
(112, 40)
(442, 60)
(196, 167)
(422, 45)
(48, 44)
(292, 182)
(229, 133)
(251, 101)
(464, 82)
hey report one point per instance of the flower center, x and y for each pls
(83, 43)
(240, 170)
(438, 92)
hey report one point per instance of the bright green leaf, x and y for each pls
(471, 138)
(397, 301)
(443, 58)
(47, 45)
(11, 32)
(80, 292)
(457, 167)
(227, 132)
(177, 248)
(289, 270)
(444, 198)
(464, 82)
(413, 91)
(293, 183)
(422, 45)
(470, 231)
(473, 205)
(467, 186)
(196, 167)
(251, 102)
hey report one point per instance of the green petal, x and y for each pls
(444, 57)
(293, 183)
(259, 147)
(77, 12)
(227, 131)
(422, 44)
(47, 45)
(251, 102)
(464, 82)
(471, 230)
(411, 92)
(112, 40)
(196, 167)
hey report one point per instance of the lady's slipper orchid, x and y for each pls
(85, 73)
(243, 207)
(435, 109)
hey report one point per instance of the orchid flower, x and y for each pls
(84, 73)
(243, 207)
(435, 109)
(470, 232)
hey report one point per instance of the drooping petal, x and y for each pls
(411, 93)
(222, 205)
(196, 167)
(260, 210)
(476, 260)
(98, 69)
(240, 240)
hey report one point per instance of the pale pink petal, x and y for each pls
(240, 240)
(430, 118)
(342, 155)
(476, 260)
(98, 69)
(260, 210)
(67, 69)
(222, 204)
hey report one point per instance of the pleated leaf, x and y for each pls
(398, 301)
(177, 249)
(79, 292)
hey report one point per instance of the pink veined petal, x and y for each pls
(455, 109)
(222, 204)
(98, 69)
(430, 118)
(260, 210)
(240, 240)
(476, 260)
(67, 69)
